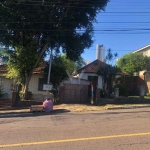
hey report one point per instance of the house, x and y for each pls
(35, 85)
(78, 88)
(144, 74)
(144, 50)
(89, 72)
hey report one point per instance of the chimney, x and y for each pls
(100, 52)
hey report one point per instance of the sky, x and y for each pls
(123, 27)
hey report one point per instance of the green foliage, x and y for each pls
(58, 71)
(70, 65)
(110, 57)
(1, 90)
(148, 94)
(29, 24)
(102, 93)
(29, 95)
(123, 90)
(61, 66)
(55, 93)
(31, 28)
(108, 71)
(147, 63)
(67, 63)
(133, 62)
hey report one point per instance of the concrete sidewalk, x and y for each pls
(9, 111)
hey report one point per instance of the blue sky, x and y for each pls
(129, 22)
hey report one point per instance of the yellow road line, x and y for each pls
(74, 140)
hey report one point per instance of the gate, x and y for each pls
(75, 93)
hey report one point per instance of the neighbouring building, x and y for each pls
(35, 85)
(144, 50)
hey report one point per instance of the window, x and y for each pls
(41, 82)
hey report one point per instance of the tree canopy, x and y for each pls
(62, 68)
(62, 23)
(133, 62)
(108, 71)
(30, 28)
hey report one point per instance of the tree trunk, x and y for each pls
(28, 77)
(25, 88)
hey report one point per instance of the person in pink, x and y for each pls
(48, 105)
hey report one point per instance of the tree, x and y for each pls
(110, 57)
(62, 68)
(108, 71)
(133, 62)
(71, 65)
(31, 27)
(147, 67)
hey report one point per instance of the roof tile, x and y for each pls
(93, 67)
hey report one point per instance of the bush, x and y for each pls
(148, 94)
(55, 93)
(29, 95)
(102, 93)
(123, 91)
(1, 90)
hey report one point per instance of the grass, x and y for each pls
(145, 97)
(127, 100)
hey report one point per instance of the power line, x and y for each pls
(75, 22)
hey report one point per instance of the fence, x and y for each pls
(74, 93)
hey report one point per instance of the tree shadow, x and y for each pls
(123, 101)
(32, 114)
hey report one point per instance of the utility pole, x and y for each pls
(49, 71)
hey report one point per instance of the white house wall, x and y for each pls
(85, 76)
(144, 51)
(6, 85)
(77, 81)
(33, 85)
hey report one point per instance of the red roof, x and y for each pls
(93, 67)
(39, 70)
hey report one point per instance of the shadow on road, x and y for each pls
(32, 114)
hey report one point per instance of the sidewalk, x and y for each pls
(9, 111)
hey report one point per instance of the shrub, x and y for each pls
(29, 95)
(1, 90)
(148, 94)
(102, 93)
(123, 91)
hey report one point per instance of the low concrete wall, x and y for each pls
(5, 102)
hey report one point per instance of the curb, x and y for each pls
(126, 107)
(14, 114)
(29, 113)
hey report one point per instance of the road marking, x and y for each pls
(74, 140)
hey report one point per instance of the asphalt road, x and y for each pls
(126, 129)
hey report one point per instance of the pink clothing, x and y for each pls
(48, 105)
